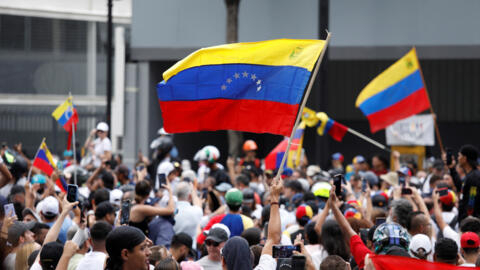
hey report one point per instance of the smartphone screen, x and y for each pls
(9, 210)
(337, 182)
(401, 180)
(364, 185)
(162, 179)
(72, 193)
(280, 251)
(380, 220)
(442, 192)
(449, 156)
(406, 191)
(125, 212)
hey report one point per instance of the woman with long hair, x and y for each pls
(332, 240)
(23, 252)
(127, 249)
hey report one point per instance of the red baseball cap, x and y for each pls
(469, 240)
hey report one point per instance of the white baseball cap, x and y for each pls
(102, 126)
(166, 168)
(49, 206)
(116, 197)
(420, 241)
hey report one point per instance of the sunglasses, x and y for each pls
(212, 243)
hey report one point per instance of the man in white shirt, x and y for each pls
(96, 258)
(187, 216)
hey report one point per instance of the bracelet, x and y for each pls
(272, 203)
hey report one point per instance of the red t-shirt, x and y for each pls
(359, 250)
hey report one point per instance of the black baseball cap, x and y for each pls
(218, 235)
(50, 255)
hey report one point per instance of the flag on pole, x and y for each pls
(397, 93)
(44, 160)
(61, 184)
(330, 126)
(274, 158)
(254, 87)
(65, 114)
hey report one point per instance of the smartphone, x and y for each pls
(80, 237)
(442, 192)
(281, 251)
(72, 193)
(9, 210)
(140, 168)
(337, 182)
(162, 178)
(125, 212)
(364, 185)
(449, 156)
(406, 191)
(401, 180)
(379, 221)
(298, 262)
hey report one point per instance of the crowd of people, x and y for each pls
(167, 213)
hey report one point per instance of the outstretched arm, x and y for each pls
(274, 225)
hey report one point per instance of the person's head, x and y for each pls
(236, 253)
(168, 264)
(388, 235)
(19, 233)
(331, 239)
(30, 215)
(420, 246)
(105, 212)
(49, 209)
(337, 160)
(446, 251)
(122, 173)
(252, 235)
(234, 199)
(180, 246)
(50, 255)
(467, 156)
(249, 148)
(419, 223)
(127, 248)
(470, 224)
(257, 252)
(158, 253)
(102, 130)
(142, 190)
(23, 252)
(242, 181)
(303, 214)
(359, 164)
(359, 223)
(334, 262)
(291, 188)
(17, 195)
(100, 195)
(470, 243)
(215, 240)
(448, 201)
(98, 233)
(400, 210)
(182, 191)
(108, 180)
(40, 230)
(311, 236)
(379, 163)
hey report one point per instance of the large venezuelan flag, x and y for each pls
(44, 160)
(274, 158)
(396, 93)
(254, 87)
(65, 114)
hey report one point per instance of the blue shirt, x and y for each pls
(62, 236)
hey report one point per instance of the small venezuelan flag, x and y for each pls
(330, 126)
(274, 158)
(44, 160)
(395, 94)
(65, 114)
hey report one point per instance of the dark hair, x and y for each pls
(242, 179)
(435, 178)
(123, 237)
(142, 189)
(470, 250)
(401, 208)
(257, 252)
(39, 226)
(100, 230)
(103, 209)
(311, 235)
(167, 264)
(333, 241)
(471, 153)
(446, 251)
(470, 224)
(382, 159)
(265, 214)
(181, 239)
(107, 179)
(333, 262)
(414, 222)
(311, 202)
(101, 195)
(295, 185)
(252, 235)
(234, 207)
(358, 224)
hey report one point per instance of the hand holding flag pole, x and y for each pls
(302, 106)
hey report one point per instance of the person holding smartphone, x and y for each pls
(100, 148)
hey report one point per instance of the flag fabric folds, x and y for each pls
(65, 114)
(44, 160)
(253, 87)
(330, 126)
(386, 262)
(274, 158)
(397, 93)
(61, 184)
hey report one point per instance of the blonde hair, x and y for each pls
(23, 252)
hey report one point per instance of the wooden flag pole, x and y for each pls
(437, 131)
(73, 143)
(372, 141)
(31, 166)
(299, 114)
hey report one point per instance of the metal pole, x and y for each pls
(321, 97)
(109, 64)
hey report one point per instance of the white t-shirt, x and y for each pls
(99, 148)
(187, 218)
(92, 261)
(468, 265)
(266, 262)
